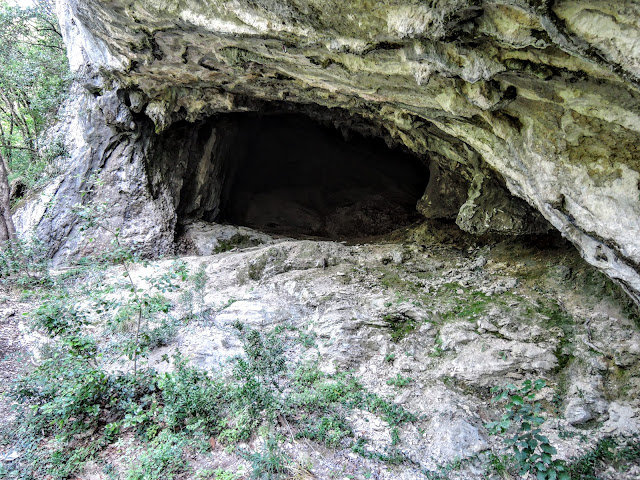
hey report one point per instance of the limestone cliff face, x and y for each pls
(532, 99)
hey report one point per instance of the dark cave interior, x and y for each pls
(290, 175)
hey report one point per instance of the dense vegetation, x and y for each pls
(34, 78)
(85, 396)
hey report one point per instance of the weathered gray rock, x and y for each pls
(421, 312)
(586, 399)
(537, 101)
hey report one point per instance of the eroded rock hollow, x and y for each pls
(526, 113)
(288, 175)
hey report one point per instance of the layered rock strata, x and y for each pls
(524, 110)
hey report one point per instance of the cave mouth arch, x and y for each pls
(291, 174)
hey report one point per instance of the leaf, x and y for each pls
(548, 449)
(564, 476)
(499, 397)
(552, 474)
(539, 384)
(542, 438)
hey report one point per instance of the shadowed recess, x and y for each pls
(295, 177)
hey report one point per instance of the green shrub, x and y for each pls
(399, 381)
(532, 450)
(271, 462)
(608, 452)
(330, 429)
(24, 262)
(193, 399)
(71, 393)
(162, 460)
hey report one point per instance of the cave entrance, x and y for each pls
(290, 175)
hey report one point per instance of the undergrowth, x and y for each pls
(83, 397)
(608, 453)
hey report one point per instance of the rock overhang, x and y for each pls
(534, 100)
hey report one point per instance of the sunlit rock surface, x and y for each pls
(523, 111)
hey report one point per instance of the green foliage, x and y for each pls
(437, 351)
(72, 395)
(608, 452)
(192, 399)
(400, 325)
(532, 450)
(34, 77)
(467, 306)
(443, 472)
(58, 316)
(329, 428)
(391, 456)
(193, 298)
(399, 381)
(162, 460)
(270, 462)
(24, 263)
(218, 474)
(64, 462)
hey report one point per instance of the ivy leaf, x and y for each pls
(542, 438)
(539, 384)
(541, 467)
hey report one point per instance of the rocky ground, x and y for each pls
(428, 326)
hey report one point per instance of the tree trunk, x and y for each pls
(7, 229)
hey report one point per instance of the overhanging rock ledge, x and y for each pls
(522, 109)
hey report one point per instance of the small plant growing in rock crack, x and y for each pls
(437, 350)
(399, 381)
(532, 450)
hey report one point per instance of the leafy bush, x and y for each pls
(24, 262)
(192, 399)
(532, 450)
(34, 78)
(269, 463)
(162, 460)
(399, 381)
(72, 393)
(608, 452)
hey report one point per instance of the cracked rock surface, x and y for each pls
(531, 106)
(452, 320)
